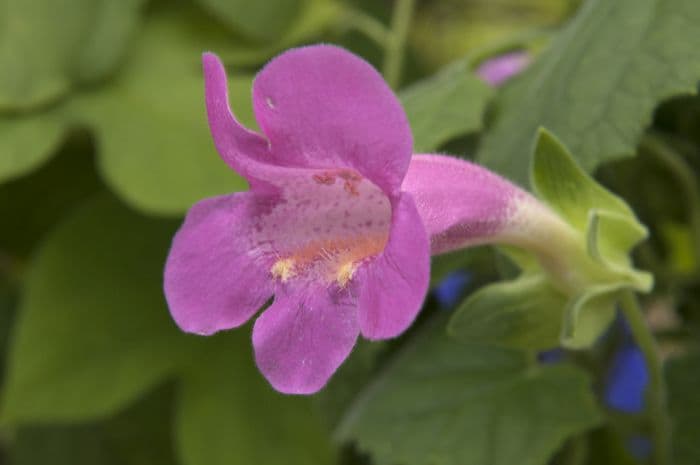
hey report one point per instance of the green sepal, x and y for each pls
(607, 229)
(557, 179)
(609, 239)
(524, 313)
(587, 316)
(605, 221)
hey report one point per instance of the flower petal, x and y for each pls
(459, 202)
(212, 282)
(323, 107)
(497, 70)
(393, 286)
(302, 338)
(242, 149)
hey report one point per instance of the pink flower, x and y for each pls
(499, 69)
(325, 227)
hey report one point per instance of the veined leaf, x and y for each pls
(597, 97)
(455, 404)
(446, 105)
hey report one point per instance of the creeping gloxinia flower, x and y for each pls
(499, 69)
(325, 227)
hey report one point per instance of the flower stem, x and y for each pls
(394, 51)
(656, 393)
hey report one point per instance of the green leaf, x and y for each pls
(47, 45)
(227, 414)
(27, 141)
(446, 105)
(141, 435)
(452, 404)
(481, 258)
(154, 143)
(683, 378)
(355, 373)
(588, 315)
(93, 330)
(525, 313)
(315, 16)
(596, 97)
(557, 179)
(112, 26)
(606, 446)
(32, 205)
(254, 19)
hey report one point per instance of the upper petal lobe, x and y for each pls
(322, 107)
(243, 150)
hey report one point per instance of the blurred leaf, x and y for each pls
(60, 445)
(260, 20)
(154, 143)
(525, 313)
(31, 205)
(356, 372)
(678, 239)
(475, 258)
(598, 98)
(683, 378)
(442, 402)
(8, 305)
(139, 436)
(446, 105)
(606, 447)
(93, 331)
(48, 45)
(314, 17)
(112, 26)
(229, 415)
(27, 141)
(446, 30)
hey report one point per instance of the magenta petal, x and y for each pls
(302, 338)
(459, 202)
(211, 282)
(393, 286)
(242, 149)
(323, 107)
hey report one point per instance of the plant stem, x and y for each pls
(656, 392)
(367, 25)
(394, 51)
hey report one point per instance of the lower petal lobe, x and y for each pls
(213, 280)
(304, 336)
(393, 286)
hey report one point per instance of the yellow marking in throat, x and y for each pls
(283, 269)
(345, 273)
